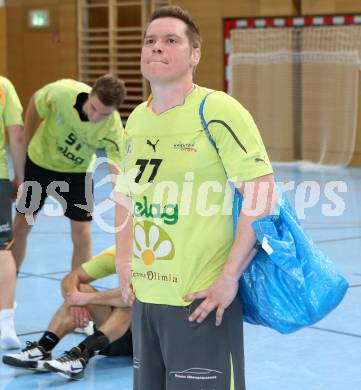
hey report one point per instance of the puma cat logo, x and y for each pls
(152, 145)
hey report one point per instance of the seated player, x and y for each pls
(82, 303)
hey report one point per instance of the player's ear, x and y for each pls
(196, 56)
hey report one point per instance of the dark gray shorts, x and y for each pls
(6, 232)
(174, 354)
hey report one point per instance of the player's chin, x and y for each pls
(159, 78)
(154, 70)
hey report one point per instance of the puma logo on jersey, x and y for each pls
(152, 145)
(260, 160)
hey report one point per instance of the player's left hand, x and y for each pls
(217, 297)
(125, 276)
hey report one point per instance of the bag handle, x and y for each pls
(237, 196)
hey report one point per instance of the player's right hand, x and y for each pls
(124, 270)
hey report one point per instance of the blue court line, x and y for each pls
(54, 273)
(63, 232)
(335, 331)
(334, 227)
(43, 276)
(39, 332)
(23, 275)
(319, 224)
(31, 333)
(338, 239)
(102, 233)
(310, 327)
(39, 276)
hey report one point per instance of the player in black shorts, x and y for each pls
(65, 122)
(112, 335)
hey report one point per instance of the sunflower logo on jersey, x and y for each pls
(152, 243)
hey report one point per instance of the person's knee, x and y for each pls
(66, 318)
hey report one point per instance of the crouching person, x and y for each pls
(82, 303)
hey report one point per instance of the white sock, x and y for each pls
(8, 337)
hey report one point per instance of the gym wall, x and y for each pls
(31, 58)
(36, 56)
(2, 38)
(211, 69)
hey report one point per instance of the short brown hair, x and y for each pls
(173, 11)
(110, 90)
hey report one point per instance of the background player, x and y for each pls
(11, 128)
(65, 122)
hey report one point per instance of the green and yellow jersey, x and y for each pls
(10, 115)
(63, 141)
(101, 265)
(178, 183)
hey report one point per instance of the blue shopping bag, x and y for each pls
(290, 283)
